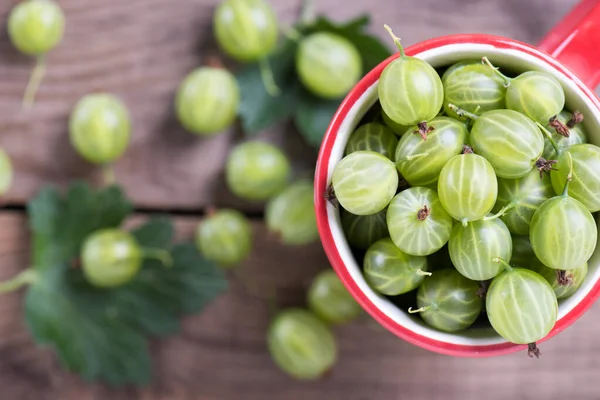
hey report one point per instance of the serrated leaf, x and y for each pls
(258, 109)
(313, 116)
(60, 224)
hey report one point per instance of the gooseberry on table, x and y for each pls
(301, 344)
(417, 222)
(390, 271)
(207, 100)
(257, 170)
(35, 27)
(329, 299)
(374, 137)
(410, 91)
(328, 65)
(291, 214)
(448, 301)
(100, 127)
(224, 237)
(364, 182)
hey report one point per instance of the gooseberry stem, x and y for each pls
(412, 157)
(502, 211)
(34, 82)
(506, 265)
(418, 310)
(161, 255)
(23, 278)
(497, 71)
(548, 136)
(420, 272)
(565, 192)
(108, 174)
(266, 74)
(396, 40)
(463, 113)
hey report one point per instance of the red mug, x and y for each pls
(569, 53)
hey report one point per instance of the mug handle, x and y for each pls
(575, 42)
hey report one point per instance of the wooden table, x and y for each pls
(140, 50)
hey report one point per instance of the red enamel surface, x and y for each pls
(324, 224)
(575, 42)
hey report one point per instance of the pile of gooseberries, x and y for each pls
(484, 209)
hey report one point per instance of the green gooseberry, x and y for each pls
(330, 300)
(420, 162)
(519, 198)
(364, 182)
(396, 128)
(362, 231)
(390, 271)
(564, 283)
(374, 137)
(100, 128)
(328, 65)
(448, 301)
(585, 186)
(207, 100)
(474, 87)
(576, 135)
(417, 222)
(410, 91)
(522, 254)
(291, 214)
(257, 170)
(245, 29)
(224, 237)
(36, 26)
(110, 258)
(301, 344)
(468, 187)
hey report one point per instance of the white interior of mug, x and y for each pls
(515, 61)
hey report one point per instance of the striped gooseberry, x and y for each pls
(564, 283)
(224, 237)
(577, 135)
(330, 300)
(362, 231)
(586, 168)
(473, 247)
(563, 232)
(6, 173)
(448, 301)
(509, 140)
(395, 127)
(364, 182)
(245, 29)
(535, 94)
(112, 257)
(390, 271)
(100, 127)
(256, 170)
(521, 306)
(520, 198)
(35, 27)
(291, 214)
(301, 344)
(417, 222)
(468, 187)
(420, 162)
(328, 64)
(410, 91)
(474, 87)
(374, 137)
(207, 100)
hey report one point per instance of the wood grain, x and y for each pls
(141, 49)
(221, 354)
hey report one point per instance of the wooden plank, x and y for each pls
(141, 49)
(221, 354)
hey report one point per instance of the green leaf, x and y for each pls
(99, 333)
(313, 116)
(258, 109)
(60, 225)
